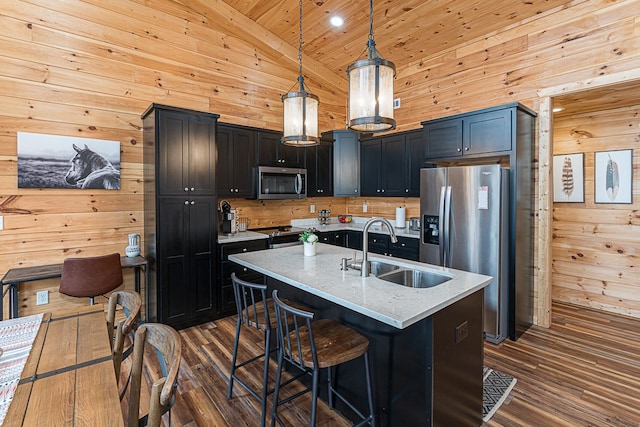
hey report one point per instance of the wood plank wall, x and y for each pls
(267, 213)
(595, 246)
(89, 68)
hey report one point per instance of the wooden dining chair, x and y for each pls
(91, 276)
(165, 356)
(131, 304)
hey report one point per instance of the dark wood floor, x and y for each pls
(583, 371)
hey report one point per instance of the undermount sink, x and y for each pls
(406, 276)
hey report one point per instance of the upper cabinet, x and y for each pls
(488, 132)
(271, 152)
(346, 162)
(319, 162)
(236, 161)
(390, 165)
(187, 159)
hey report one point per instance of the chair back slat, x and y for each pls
(294, 333)
(251, 303)
(167, 344)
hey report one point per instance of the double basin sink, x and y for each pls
(407, 276)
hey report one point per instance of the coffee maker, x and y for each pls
(229, 217)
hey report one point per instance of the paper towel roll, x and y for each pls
(400, 217)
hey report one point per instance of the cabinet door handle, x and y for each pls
(378, 190)
(186, 189)
(193, 203)
(466, 148)
(186, 202)
(244, 249)
(245, 269)
(192, 188)
(458, 150)
(383, 190)
(406, 190)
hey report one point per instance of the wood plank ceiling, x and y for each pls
(399, 25)
(399, 29)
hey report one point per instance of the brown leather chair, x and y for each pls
(91, 276)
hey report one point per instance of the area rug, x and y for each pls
(496, 387)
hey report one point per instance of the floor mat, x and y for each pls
(496, 387)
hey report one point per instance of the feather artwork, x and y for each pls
(567, 176)
(612, 179)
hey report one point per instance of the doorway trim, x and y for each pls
(542, 280)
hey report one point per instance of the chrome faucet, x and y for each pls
(365, 266)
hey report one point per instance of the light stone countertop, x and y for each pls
(393, 304)
(241, 236)
(357, 224)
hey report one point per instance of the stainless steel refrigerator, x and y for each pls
(465, 225)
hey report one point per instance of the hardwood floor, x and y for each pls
(583, 371)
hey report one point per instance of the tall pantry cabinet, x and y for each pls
(180, 227)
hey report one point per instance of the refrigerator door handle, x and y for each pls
(441, 226)
(447, 228)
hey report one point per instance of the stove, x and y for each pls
(281, 236)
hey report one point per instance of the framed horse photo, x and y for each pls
(53, 161)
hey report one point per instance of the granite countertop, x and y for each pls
(395, 305)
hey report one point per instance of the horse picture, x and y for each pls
(53, 161)
(91, 170)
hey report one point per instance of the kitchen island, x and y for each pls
(426, 345)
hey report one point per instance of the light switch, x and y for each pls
(312, 208)
(364, 207)
(1, 223)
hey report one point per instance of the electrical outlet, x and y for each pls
(312, 208)
(462, 330)
(1, 223)
(364, 207)
(42, 297)
(396, 103)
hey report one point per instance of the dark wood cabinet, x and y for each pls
(225, 267)
(475, 134)
(390, 165)
(185, 167)
(271, 152)
(382, 169)
(346, 162)
(186, 259)
(180, 214)
(236, 161)
(337, 238)
(406, 248)
(319, 163)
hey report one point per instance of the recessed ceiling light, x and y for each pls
(336, 21)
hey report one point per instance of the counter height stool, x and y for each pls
(254, 313)
(311, 346)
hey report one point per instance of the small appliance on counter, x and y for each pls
(228, 218)
(414, 223)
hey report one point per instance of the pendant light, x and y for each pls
(370, 102)
(300, 110)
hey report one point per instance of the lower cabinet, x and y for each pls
(226, 297)
(405, 247)
(186, 260)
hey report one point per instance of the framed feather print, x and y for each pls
(613, 176)
(568, 178)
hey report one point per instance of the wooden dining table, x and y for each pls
(68, 379)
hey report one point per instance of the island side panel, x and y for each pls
(458, 358)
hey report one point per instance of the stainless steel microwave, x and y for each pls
(276, 183)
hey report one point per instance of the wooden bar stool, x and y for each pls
(311, 346)
(254, 313)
